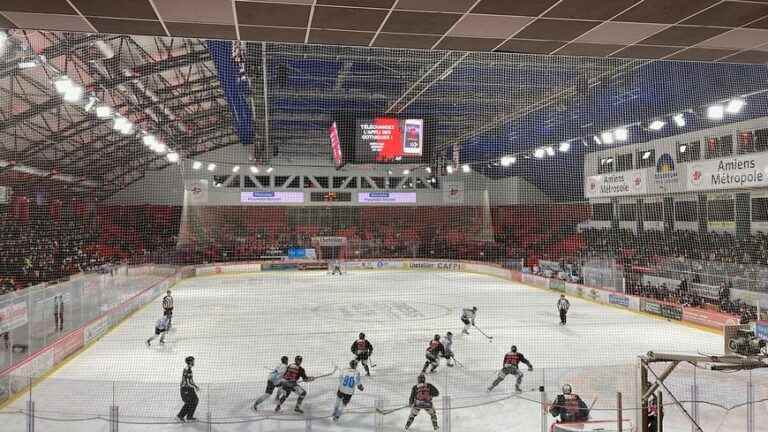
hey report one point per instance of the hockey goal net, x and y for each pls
(337, 267)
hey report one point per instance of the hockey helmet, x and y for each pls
(562, 295)
(437, 337)
(189, 360)
(298, 360)
(474, 308)
(361, 336)
(284, 359)
(422, 379)
(353, 364)
(449, 334)
(513, 348)
(567, 389)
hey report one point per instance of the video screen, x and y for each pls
(387, 140)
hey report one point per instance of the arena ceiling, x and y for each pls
(706, 30)
(489, 104)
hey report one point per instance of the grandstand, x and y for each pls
(442, 155)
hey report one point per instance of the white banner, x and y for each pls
(732, 173)
(616, 184)
(198, 191)
(453, 192)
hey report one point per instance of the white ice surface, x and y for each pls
(237, 326)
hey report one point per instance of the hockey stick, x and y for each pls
(335, 368)
(482, 332)
(457, 361)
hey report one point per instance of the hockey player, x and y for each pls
(362, 349)
(435, 350)
(274, 380)
(468, 318)
(570, 407)
(348, 381)
(421, 399)
(168, 307)
(161, 328)
(562, 307)
(290, 383)
(512, 360)
(447, 342)
(188, 393)
(336, 268)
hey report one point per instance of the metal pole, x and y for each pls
(30, 416)
(750, 405)
(267, 151)
(694, 399)
(543, 409)
(660, 412)
(114, 415)
(447, 414)
(379, 419)
(642, 413)
(308, 419)
(620, 412)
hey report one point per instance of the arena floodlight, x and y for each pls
(606, 138)
(506, 161)
(196, 165)
(656, 125)
(123, 125)
(466, 168)
(172, 157)
(62, 84)
(683, 147)
(428, 170)
(449, 169)
(73, 94)
(211, 166)
(734, 106)
(564, 147)
(539, 153)
(646, 155)
(91, 102)
(254, 170)
(596, 139)
(103, 111)
(159, 148)
(679, 119)
(270, 169)
(236, 168)
(550, 151)
(27, 64)
(406, 171)
(621, 134)
(149, 140)
(715, 112)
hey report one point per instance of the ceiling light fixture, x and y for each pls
(211, 166)
(656, 125)
(606, 138)
(734, 106)
(621, 134)
(196, 165)
(254, 169)
(466, 168)
(236, 168)
(679, 119)
(449, 169)
(715, 112)
(172, 157)
(538, 153)
(550, 151)
(564, 147)
(103, 111)
(596, 139)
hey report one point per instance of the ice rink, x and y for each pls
(238, 326)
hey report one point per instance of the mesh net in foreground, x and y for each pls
(133, 165)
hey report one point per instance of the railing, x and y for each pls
(715, 400)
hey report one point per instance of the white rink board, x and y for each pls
(238, 325)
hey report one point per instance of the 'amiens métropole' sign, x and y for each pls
(732, 173)
(616, 184)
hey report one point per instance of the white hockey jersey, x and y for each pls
(276, 376)
(162, 324)
(348, 381)
(447, 344)
(468, 313)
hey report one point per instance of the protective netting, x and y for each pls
(239, 175)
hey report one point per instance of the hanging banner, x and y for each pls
(749, 171)
(616, 184)
(198, 191)
(453, 192)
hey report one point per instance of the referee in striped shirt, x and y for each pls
(188, 393)
(168, 307)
